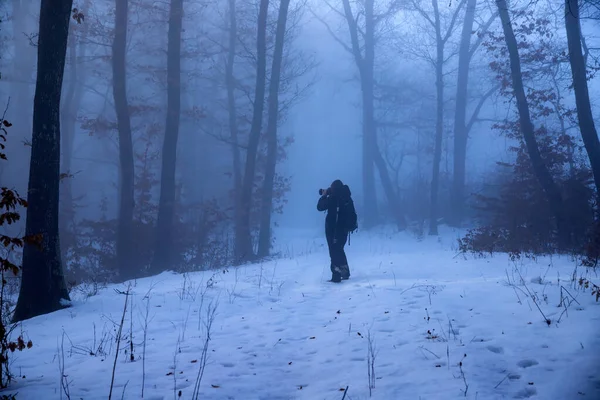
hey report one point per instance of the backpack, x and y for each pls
(347, 211)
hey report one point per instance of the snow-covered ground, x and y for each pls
(281, 331)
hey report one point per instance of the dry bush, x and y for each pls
(11, 207)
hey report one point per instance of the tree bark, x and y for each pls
(439, 122)
(460, 116)
(580, 86)
(43, 287)
(125, 256)
(264, 240)
(163, 256)
(539, 167)
(243, 247)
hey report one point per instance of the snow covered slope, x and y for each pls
(280, 331)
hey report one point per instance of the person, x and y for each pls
(340, 221)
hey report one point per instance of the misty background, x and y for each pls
(320, 129)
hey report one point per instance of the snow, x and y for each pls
(282, 332)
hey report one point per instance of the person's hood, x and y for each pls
(345, 192)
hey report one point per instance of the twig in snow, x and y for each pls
(146, 322)
(131, 353)
(124, 387)
(64, 382)
(177, 350)
(371, 354)
(429, 351)
(462, 375)
(119, 334)
(345, 392)
(546, 319)
(503, 379)
(210, 318)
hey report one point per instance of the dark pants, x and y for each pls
(339, 263)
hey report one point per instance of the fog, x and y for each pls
(158, 157)
(321, 104)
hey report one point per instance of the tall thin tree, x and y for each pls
(166, 207)
(124, 246)
(264, 240)
(580, 86)
(230, 82)
(43, 287)
(243, 246)
(442, 36)
(540, 168)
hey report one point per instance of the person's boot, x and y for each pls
(345, 272)
(336, 275)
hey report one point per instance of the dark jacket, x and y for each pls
(331, 203)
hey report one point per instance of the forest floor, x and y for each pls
(415, 321)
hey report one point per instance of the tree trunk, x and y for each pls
(68, 121)
(163, 256)
(243, 248)
(460, 117)
(388, 188)
(439, 122)
(69, 110)
(370, 214)
(43, 287)
(264, 240)
(125, 256)
(540, 169)
(232, 110)
(580, 86)
(366, 67)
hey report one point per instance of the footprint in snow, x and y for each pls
(525, 393)
(527, 363)
(496, 349)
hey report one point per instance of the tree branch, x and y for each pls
(333, 34)
(482, 32)
(480, 104)
(453, 21)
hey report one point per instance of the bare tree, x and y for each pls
(462, 127)
(243, 246)
(580, 86)
(231, 107)
(442, 36)
(43, 287)
(364, 27)
(166, 207)
(541, 170)
(71, 103)
(264, 240)
(126, 162)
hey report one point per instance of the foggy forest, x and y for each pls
(166, 166)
